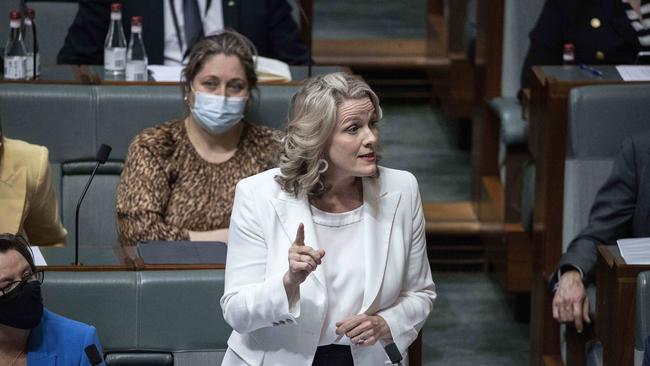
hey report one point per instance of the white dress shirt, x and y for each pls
(212, 23)
(340, 235)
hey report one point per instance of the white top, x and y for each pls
(212, 23)
(340, 234)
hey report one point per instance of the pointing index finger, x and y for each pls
(300, 235)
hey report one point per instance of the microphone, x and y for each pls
(393, 354)
(102, 156)
(91, 351)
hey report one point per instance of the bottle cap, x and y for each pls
(14, 15)
(568, 47)
(136, 20)
(116, 7)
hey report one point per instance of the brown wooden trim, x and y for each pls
(615, 308)
(415, 351)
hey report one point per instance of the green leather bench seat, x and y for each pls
(72, 121)
(146, 317)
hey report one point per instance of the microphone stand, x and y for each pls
(76, 215)
(102, 156)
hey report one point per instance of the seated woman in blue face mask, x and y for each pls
(179, 178)
(29, 334)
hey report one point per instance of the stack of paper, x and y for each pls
(634, 73)
(163, 73)
(267, 69)
(635, 251)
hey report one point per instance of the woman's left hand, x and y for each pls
(363, 329)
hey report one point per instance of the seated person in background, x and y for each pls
(29, 334)
(620, 210)
(602, 32)
(27, 203)
(179, 177)
(355, 276)
(267, 23)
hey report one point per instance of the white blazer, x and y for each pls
(268, 330)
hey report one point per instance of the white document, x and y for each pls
(634, 72)
(267, 69)
(39, 260)
(635, 251)
(164, 73)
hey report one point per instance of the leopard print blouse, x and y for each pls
(167, 189)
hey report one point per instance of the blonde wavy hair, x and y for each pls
(312, 120)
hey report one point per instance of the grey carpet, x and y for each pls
(369, 19)
(471, 325)
(417, 138)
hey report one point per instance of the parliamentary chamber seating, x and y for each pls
(152, 317)
(600, 118)
(72, 121)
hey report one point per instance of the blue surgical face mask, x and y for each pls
(217, 113)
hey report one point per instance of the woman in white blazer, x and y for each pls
(327, 254)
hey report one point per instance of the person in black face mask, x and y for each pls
(29, 334)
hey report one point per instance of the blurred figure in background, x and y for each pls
(179, 177)
(27, 202)
(608, 32)
(170, 32)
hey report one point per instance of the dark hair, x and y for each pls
(18, 243)
(229, 43)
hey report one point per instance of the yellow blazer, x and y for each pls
(27, 202)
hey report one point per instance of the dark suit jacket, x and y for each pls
(267, 23)
(621, 208)
(570, 21)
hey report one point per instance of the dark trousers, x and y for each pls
(333, 355)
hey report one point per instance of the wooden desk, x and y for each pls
(547, 142)
(94, 75)
(616, 306)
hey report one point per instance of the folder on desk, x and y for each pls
(635, 250)
(182, 252)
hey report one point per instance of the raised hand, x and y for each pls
(302, 261)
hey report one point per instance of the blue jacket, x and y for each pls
(59, 341)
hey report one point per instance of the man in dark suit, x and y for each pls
(621, 209)
(599, 30)
(267, 23)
